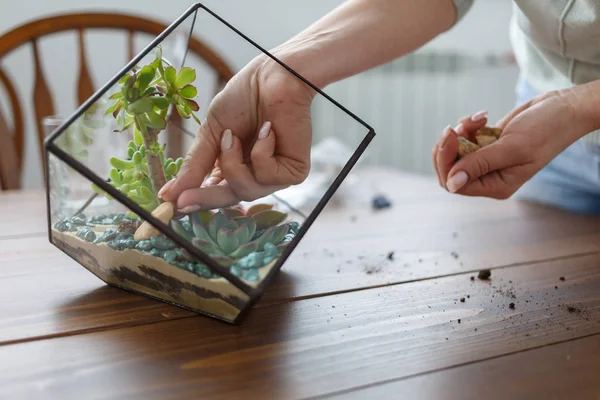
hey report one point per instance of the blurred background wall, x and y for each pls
(408, 102)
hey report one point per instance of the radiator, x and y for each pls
(409, 102)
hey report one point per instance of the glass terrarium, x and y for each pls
(107, 162)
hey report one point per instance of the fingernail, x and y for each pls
(226, 140)
(211, 181)
(459, 128)
(264, 130)
(190, 209)
(457, 181)
(479, 115)
(165, 188)
(445, 136)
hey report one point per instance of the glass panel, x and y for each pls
(209, 258)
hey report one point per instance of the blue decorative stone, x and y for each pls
(145, 245)
(162, 243)
(108, 235)
(170, 256)
(294, 227)
(128, 244)
(379, 202)
(236, 271)
(78, 219)
(63, 226)
(156, 252)
(252, 260)
(124, 236)
(251, 275)
(203, 271)
(86, 234)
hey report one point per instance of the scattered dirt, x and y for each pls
(129, 226)
(462, 299)
(454, 254)
(472, 278)
(572, 309)
(459, 320)
(484, 274)
(511, 306)
(562, 278)
(390, 256)
(373, 270)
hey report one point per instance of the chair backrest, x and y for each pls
(12, 141)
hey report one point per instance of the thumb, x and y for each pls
(198, 163)
(481, 173)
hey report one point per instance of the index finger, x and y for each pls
(198, 163)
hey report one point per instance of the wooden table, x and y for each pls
(345, 319)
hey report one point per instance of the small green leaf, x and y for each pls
(185, 76)
(154, 121)
(115, 96)
(114, 107)
(192, 105)
(145, 76)
(188, 91)
(160, 102)
(121, 164)
(147, 193)
(149, 91)
(137, 158)
(114, 176)
(171, 169)
(141, 106)
(121, 120)
(170, 75)
(182, 111)
(124, 79)
(138, 139)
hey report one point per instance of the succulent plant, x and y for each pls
(232, 235)
(131, 176)
(142, 103)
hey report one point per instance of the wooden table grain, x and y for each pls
(344, 319)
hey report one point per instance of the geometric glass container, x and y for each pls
(101, 165)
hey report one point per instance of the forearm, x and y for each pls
(362, 34)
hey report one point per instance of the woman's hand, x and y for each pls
(532, 135)
(255, 140)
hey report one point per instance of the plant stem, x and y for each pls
(155, 166)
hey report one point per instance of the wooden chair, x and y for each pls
(12, 141)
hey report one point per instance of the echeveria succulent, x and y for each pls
(231, 235)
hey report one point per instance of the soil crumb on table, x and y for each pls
(562, 278)
(511, 306)
(484, 274)
(390, 255)
(462, 299)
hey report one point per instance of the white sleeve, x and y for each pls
(462, 6)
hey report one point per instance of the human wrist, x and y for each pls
(304, 56)
(585, 101)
